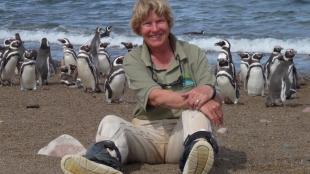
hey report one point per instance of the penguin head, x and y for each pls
(84, 49)
(103, 45)
(128, 45)
(30, 54)
(223, 43)
(15, 44)
(289, 54)
(256, 57)
(245, 55)
(118, 61)
(44, 43)
(277, 49)
(99, 30)
(66, 42)
(108, 28)
(8, 41)
(222, 59)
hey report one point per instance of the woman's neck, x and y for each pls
(162, 56)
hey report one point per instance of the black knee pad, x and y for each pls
(191, 140)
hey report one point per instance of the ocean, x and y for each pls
(250, 25)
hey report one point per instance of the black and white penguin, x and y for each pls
(245, 58)
(106, 32)
(272, 63)
(8, 63)
(104, 67)
(225, 81)
(283, 81)
(29, 74)
(87, 72)
(255, 79)
(44, 62)
(115, 84)
(225, 45)
(94, 48)
(129, 46)
(70, 56)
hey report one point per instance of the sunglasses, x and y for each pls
(176, 83)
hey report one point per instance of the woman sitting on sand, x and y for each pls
(176, 104)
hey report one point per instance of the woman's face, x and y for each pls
(155, 30)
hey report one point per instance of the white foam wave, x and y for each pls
(264, 45)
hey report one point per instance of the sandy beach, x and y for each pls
(258, 140)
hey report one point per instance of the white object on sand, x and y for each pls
(307, 109)
(222, 130)
(61, 146)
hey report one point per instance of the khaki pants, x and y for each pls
(158, 141)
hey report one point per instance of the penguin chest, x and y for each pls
(273, 66)
(243, 71)
(9, 69)
(69, 59)
(117, 86)
(28, 77)
(85, 74)
(256, 81)
(226, 87)
(104, 64)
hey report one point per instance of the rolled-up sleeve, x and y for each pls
(139, 78)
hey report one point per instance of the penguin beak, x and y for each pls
(61, 40)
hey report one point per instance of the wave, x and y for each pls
(264, 45)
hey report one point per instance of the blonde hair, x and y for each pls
(142, 9)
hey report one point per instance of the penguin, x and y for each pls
(104, 60)
(244, 65)
(106, 32)
(282, 84)
(29, 74)
(94, 48)
(225, 81)
(86, 70)
(70, 56)
(128, 45)
(115, 84)
(8, 63)
(44, 61)
(202, 32)
(69, 79)
(21, 51)
(272, 63)
(225, 45)
(255, 79)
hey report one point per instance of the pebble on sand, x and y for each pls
(307, 109)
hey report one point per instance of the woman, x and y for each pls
(176, 103)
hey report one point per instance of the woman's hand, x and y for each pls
(213, 110)
(198, 96)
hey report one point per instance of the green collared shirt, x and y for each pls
(190, 63)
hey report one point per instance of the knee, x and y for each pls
(108, 127)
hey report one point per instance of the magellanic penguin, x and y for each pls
(21, 51)
(106, 32)
(29, 74)
(255, 79)
(115, 84)
(44, 62)
(70, 56)
(104, 57)
(226, 46)
(225, 81)
(87, 72)
(244, 65)
(282, 84)
(9, 62)
(272, 63)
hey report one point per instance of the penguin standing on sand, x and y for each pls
(70, 56)
(87, 72)
(245, 58)
(225, 81)
(29, 74)
(8, 63)
(44, 62)
(115, 84)
(104, 60)
(225, 45)
(272, 63)
(255, 79)
(283, 81)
